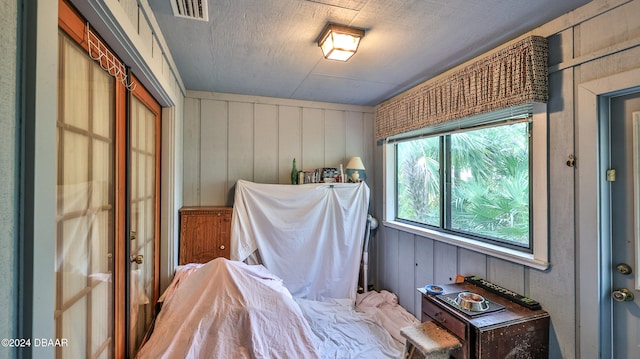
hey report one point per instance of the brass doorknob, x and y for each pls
(622, 295)
(222, 247)
(137, 259)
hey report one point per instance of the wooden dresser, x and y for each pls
(204, 233)
(511, 332)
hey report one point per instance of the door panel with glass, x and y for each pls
(143, 204)
(86, 205)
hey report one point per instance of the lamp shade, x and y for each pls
(339, 42)
(355, 163)
(355, 170)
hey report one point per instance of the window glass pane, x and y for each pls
(86, 205)
(74, 328)
(490, 183)
(74, 86)
(418, 182)
(102, 101)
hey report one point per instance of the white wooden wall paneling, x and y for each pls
(144, 30)
(289, 140)
(334, 138)
(240, 146)
(445, 262)
(406, 269)
(389, 278)
(312, 139)
(368, 151)
(355, 143)
(472, 263)
(423, 270)
(130, 7)
(552, 287)
(191, 166)
(506, 274)
(376, 257)
(214, 138)
(266, 144)
(232, 137)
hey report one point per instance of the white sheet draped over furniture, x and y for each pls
(227, 309)
(309, 235)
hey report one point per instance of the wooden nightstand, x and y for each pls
(513, 331)
(204, 233)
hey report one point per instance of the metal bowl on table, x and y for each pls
(472, 302)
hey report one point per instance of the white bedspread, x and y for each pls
(345, 332)
(384, 308)
(227, 309)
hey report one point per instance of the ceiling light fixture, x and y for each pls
(339, 42)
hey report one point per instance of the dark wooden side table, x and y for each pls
(513, 331)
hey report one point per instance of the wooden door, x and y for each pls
(86, 205)
(144, 201)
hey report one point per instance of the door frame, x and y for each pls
(593, 240)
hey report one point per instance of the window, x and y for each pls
(478, 183)
(479, 187)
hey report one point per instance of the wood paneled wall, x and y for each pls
(232, 137)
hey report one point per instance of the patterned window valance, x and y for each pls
(515, 75)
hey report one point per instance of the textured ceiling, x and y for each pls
(267, 47)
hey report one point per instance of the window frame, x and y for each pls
(538, 256)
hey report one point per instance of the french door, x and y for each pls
(107, 202)
(86, 205)
(144, 201)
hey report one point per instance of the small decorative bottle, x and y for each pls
(294, 173)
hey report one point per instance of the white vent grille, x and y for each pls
(190, 9)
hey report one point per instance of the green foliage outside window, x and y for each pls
(488, 171)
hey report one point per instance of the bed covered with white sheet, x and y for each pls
(298, 297)
(229, 309)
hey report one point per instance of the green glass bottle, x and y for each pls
(294, 173)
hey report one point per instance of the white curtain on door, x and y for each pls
(309, 235)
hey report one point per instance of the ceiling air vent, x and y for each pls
(190, 9)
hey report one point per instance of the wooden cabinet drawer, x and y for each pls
(442, 317)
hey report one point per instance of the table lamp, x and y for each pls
(355, 170)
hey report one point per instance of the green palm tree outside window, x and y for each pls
(474, 183)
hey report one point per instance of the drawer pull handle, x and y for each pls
(222, 246)
(440, 317)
